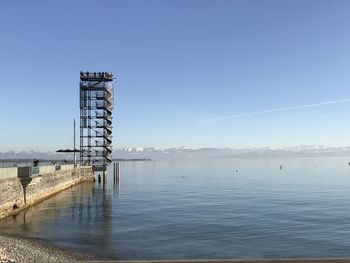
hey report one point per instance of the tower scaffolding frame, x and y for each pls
(96, 105)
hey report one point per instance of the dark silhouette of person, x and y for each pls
(35, 162)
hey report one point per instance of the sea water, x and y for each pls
(202, 209)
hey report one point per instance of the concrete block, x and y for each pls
(24, 171)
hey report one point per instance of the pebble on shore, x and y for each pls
(17, 249)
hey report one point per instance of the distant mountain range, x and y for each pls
(187, 152)
(184, 152)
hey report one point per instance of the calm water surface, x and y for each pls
(202, 209)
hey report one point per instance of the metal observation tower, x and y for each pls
(96, 104)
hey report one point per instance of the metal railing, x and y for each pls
(26, 170)
(9, 164)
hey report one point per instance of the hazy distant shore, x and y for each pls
(132, 160)
(17, 249)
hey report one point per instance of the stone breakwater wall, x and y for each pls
(11, 196)
(17, 193)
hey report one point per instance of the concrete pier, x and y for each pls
(20, 188)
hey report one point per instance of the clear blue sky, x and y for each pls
(178, 63)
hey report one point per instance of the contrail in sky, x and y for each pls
(273, 110)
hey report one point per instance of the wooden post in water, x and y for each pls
(116, 172)
(75, 156)
(104, 178)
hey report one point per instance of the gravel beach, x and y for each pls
(17, 249)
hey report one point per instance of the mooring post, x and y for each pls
(116, 171)
(104, 182)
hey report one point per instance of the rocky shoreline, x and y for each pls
(18, 249)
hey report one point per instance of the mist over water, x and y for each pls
(202, 209)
